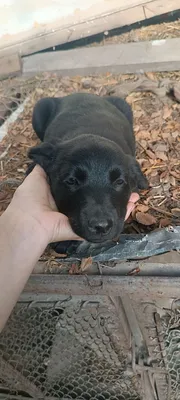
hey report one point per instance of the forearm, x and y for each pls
(21, 245)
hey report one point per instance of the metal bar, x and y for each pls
(141, 287)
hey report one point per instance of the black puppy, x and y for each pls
(88, 153)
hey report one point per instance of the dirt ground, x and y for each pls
(156, 126)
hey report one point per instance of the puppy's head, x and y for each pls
(91, 181)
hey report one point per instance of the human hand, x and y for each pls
(131, 204)
(34, 204)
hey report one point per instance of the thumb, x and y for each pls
(130, 208)
(61, 229)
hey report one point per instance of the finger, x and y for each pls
(130, 208)
(37, 170)
(134, 197)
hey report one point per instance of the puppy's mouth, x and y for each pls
(103, 239)
(100, 238)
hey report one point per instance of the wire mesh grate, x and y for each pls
(171, 334)
(72, 351)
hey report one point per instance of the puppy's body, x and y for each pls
(85, 114)
(88, 153)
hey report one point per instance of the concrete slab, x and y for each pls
(157, 55)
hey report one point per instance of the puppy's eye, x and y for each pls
(118, 184)
(119, 181)
(71, 182)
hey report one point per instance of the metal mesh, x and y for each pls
(171, 329)
(72, 350)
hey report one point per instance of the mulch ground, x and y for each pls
(165, 30)
(156, 126)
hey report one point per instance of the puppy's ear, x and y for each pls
(44, 111)
(122, 106)
(43, 154)
(137, 179)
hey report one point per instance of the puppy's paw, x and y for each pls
(67, 247)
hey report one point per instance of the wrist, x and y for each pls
(19, 228)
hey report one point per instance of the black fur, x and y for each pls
(88, 153)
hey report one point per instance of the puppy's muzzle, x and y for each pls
(100, 227)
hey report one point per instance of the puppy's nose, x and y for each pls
(102, 226)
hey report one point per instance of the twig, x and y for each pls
(5, 152)
(161, 211)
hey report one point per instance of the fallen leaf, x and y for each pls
(154, 180)
(161, 155)
(175, 174)
(57, 255)
(160, 146)
(85, 263)
(145, 218)
(39, 91)
(167, 112)
(175, 134)
(172, 180)
(142, 208)
(176, 194)
(151, 76)
(164, 222)
(22, 139)
(74, 270)
(134, 271)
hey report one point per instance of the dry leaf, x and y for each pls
(151, 76)
(167, 112)
(22, 139)
(160, 146)
(134, 271)
(57, 255)
(175, 174)
(172, 180)
(145, 218)
(164, 222)
(161, 155)
(85, 263)
(142, 208)
(74, 270)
